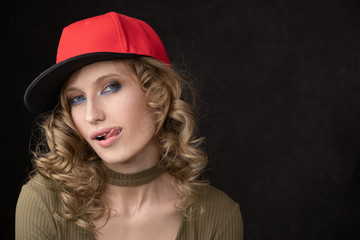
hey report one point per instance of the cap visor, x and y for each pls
(43, 93)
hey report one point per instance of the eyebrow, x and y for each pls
(98, 81)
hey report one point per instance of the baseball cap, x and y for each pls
(105, 37)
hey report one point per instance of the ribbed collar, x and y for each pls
(132, 179)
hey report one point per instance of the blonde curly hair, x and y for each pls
(66, 158)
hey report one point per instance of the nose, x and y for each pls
(94, 112)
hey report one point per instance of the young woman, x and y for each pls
(119, 157)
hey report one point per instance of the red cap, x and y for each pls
(111, 32)
(104, 37)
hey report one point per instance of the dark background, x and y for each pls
(278, 83)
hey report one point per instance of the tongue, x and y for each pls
(113, 132)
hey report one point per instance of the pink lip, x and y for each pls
(112, 135)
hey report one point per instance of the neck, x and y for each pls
(129, 200)
(132, 179)
(132, 184)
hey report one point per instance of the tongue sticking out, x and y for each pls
(113, 132)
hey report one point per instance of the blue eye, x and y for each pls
(77, 100)
(111, 88)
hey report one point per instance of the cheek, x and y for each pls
(146, 125)
(142, 117)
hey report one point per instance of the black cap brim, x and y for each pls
(43, 93)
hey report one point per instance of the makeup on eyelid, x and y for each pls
(114, 87)
(111, 87)
(77, 100)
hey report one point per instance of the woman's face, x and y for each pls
(108, 107)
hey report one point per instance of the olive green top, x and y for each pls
(34, 219)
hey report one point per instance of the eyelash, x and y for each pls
(74, 102)
(113, 87)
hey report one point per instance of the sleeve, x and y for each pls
(232, 227)
(33, 220)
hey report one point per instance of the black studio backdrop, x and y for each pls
(279, 103)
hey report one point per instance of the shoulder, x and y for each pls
(218, 204)
(38, 182)
(35, 218)
(34, 210)
(40, 195)
(223, 214)
(218, 217)
(42, 189)
(213, 196)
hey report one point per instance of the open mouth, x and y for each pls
(101, 137)
(106, 134)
